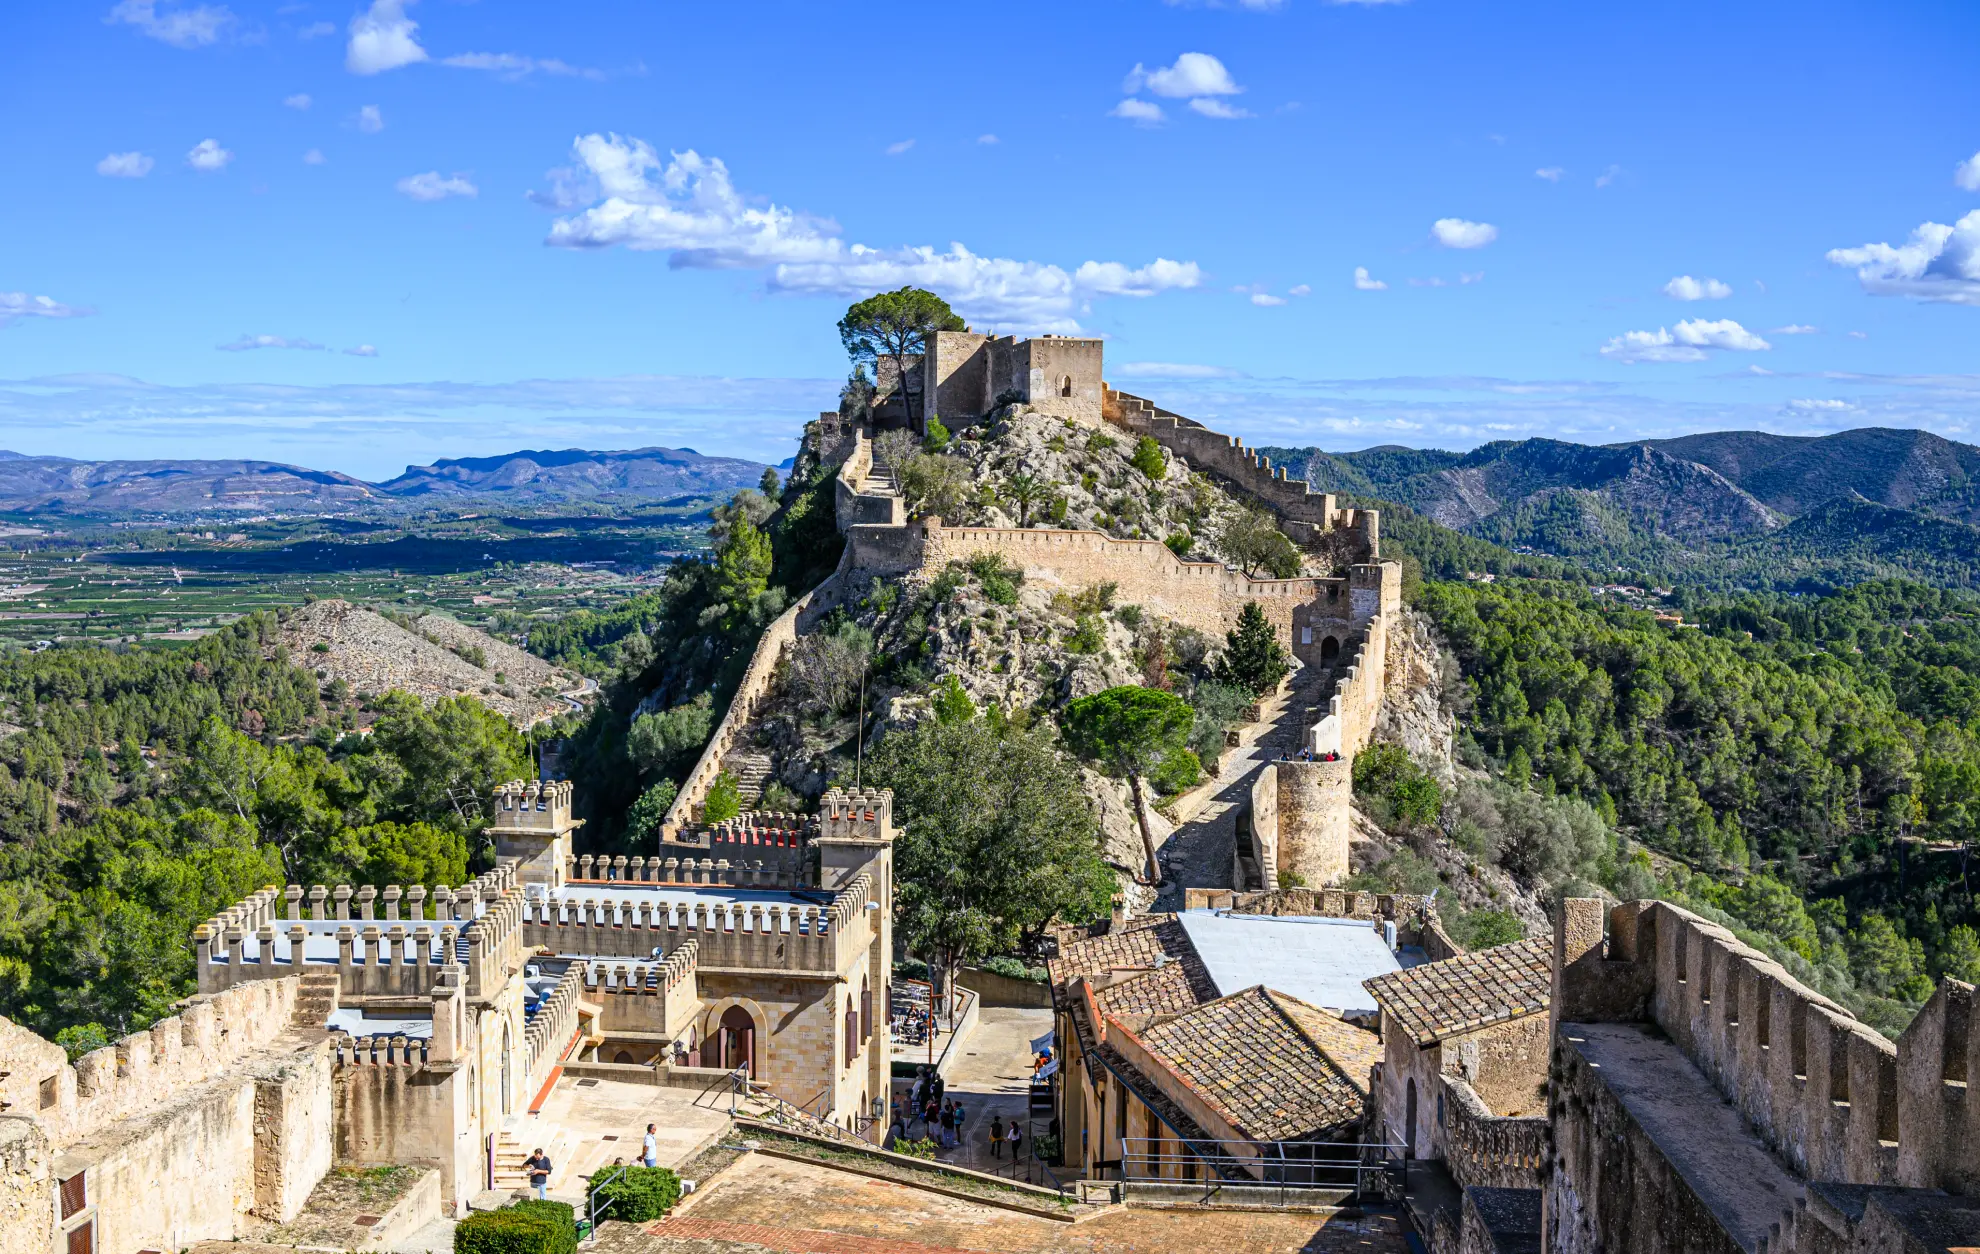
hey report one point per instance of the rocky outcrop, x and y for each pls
(437, 657)
(1414, 711)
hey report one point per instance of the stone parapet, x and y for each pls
(1496, 1151)
(753, 936)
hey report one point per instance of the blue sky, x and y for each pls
(361, 236)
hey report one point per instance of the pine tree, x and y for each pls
(1253, 658)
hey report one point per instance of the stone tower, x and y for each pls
(533, 823)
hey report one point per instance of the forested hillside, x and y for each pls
(143, 790)
(1815, 761)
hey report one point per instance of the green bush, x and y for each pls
(1180, 542)
(1147, 458)
(1010, 968)
(1178, 772)
(1087, 636)
(641, 1194)
(999, 579)
(724, 799)
(936, 439)
(530, 1227)
(923, 1148)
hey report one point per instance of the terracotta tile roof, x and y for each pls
(1468, 992)
(1275, 1067)
(1149, 944)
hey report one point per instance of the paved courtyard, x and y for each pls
(770, 1204)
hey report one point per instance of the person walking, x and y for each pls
(538, 1166)
(948, 1125)
(996, 1136)
(649, 1149)
(959, 1124)
(930, 1117)
(1013, 1138)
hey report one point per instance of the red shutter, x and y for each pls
(75, 1195)
(81, 1240)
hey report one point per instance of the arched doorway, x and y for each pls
(1065, 385)
(623, 1056)
(1330, 649)
(1409, 1116)
(736, 1040)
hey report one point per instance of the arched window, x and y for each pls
(1330, 649)
(623, 1056)
(1065, 385)
(852, 1031)
(865, 1008)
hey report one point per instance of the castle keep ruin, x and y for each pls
(1336, 625)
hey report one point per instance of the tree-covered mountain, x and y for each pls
(1722, 509)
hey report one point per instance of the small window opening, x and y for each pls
(50, 1091)
(1065, 386)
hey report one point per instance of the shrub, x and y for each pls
(1483, 929)
(1178, 772)
(998, 578)
(1180, 542)
(1253, 658)
(642, 1193)
(1099, 442)
(1056, 511)
(319, 647)
(1086, 637)
(923, 1148)
(1011, 968)
(1148, 458)
(936, 439)
(1387, 772)
(724, 800)
(530, 1227)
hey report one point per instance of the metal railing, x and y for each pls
(1255, 1172)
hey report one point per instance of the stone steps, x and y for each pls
(316, 1000)
(750, 771)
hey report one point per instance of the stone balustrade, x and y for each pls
(1496, 1151)
(378, 1051)
(733, 935)
(673, 869)
(552, 1026)
(398, 954)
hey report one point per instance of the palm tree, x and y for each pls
(1025, 490)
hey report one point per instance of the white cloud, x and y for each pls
(1684, 287)
(383, 38)
(125, 165)
(362, 350)
(1687, 341)
(1139, 112)
(17, 306)
(1170, 370)
(182, 28)
(301, 100)
(313, 157)
(511, 66)
(1193, 74)
(1552, 173)
(1795, 328)
(895, 150)
(987, 138)
(1859, 335)
(1363, 283)
(686, 205)
(432, 186)
(1468, 277)
(1432, 281)
(1817, 406)
(1967, 173)
(207, 156)
(1608, 176)
(1938, 263)
(1302, 289)
(317, 30)
(370, 120)
(1459, 233)
(1210, 107)
(249, 342)
(1266, 299)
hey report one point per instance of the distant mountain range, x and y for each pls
(1893, 501)
(60, 484)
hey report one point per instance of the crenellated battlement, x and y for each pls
(533, 806)
(867, 814)
(477, 926)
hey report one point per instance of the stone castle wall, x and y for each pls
(1310, 518)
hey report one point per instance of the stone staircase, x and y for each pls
(510, 1153)
(880, 479)
(751, 771)
(316, 1001)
